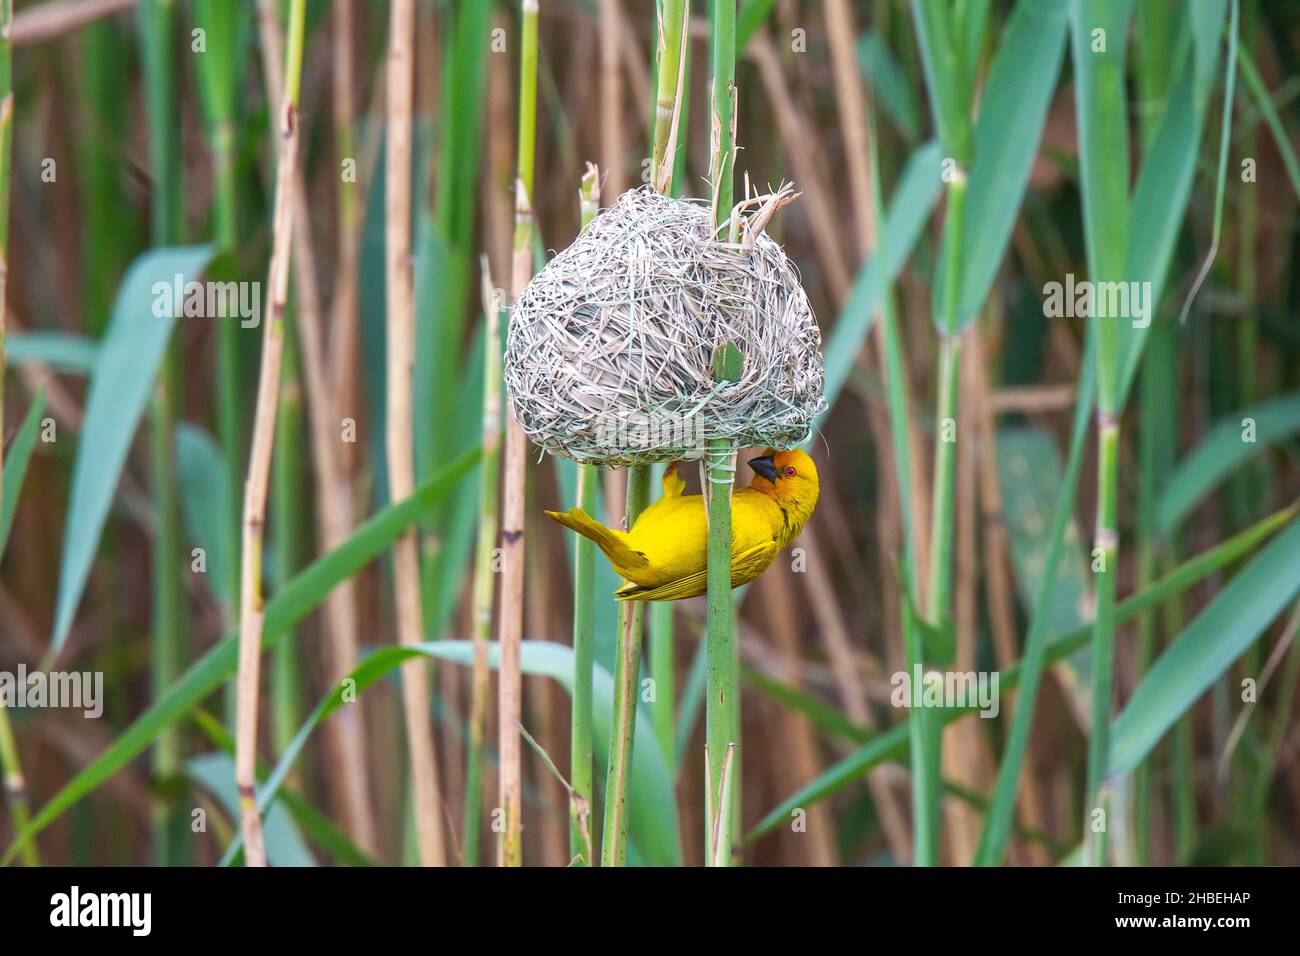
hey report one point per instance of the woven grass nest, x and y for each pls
(613, 346)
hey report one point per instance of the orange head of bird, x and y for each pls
(789, 476)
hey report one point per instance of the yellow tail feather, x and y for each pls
(672, 482)
(620, 555)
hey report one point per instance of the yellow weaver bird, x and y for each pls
(663, 557)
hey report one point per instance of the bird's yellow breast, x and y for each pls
(673, 534)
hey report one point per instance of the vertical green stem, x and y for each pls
(1101, 105)
(168, 611)
(632, 613)
(159, 42)
(670, 98)
(720, 710)
(663, 670)
(484, 575)
(669, 50)
(945, 471)
(110, 230)
(927, 731)
(618, 778)
(218, 76)
(288, 481)
(15, 784)
(581, 769)
(1105, 555)
(158, 39)
(229, 389)
(582, 772)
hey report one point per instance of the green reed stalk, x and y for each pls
(926, 795)
(632, 613)
(110, 230)
(288, 481)
(158, 39)
(510, 627)
(218, 84)
(1106, 554)
(663, 671)
(950, 83)
(945, 442)
(720, 710)
(1104, 180)
(670, 100)
(484, 576)
(668, 94)
(924, 779)
(627, 663)
(581, 766)
(1151, 437)
(15, 783)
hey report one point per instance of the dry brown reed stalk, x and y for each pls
(795, 731)
(853, 102)
(960, 756)
(26, 639)
(999, 595)
(848, 677)
(842, 542)
(547, 718)
(343, 307)
(345, 733)
(498, 210)
(37, 375)
(400, 294)
(1275, 658)
(483, 591)
(510, 626)
(511, 622)
(840, 31)
(259, 460)
(1033, 399)
(49, 21)
(965, 602)
(633, 58)
(612, 151)
(613, 37)
(796, 135)
(1001, 600)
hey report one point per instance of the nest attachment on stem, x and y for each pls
(618, 350)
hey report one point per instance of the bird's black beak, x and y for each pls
(763, 465)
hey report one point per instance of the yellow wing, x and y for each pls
(745, 567)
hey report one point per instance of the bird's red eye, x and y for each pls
(789, 471)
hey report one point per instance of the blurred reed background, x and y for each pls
(954, 159)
